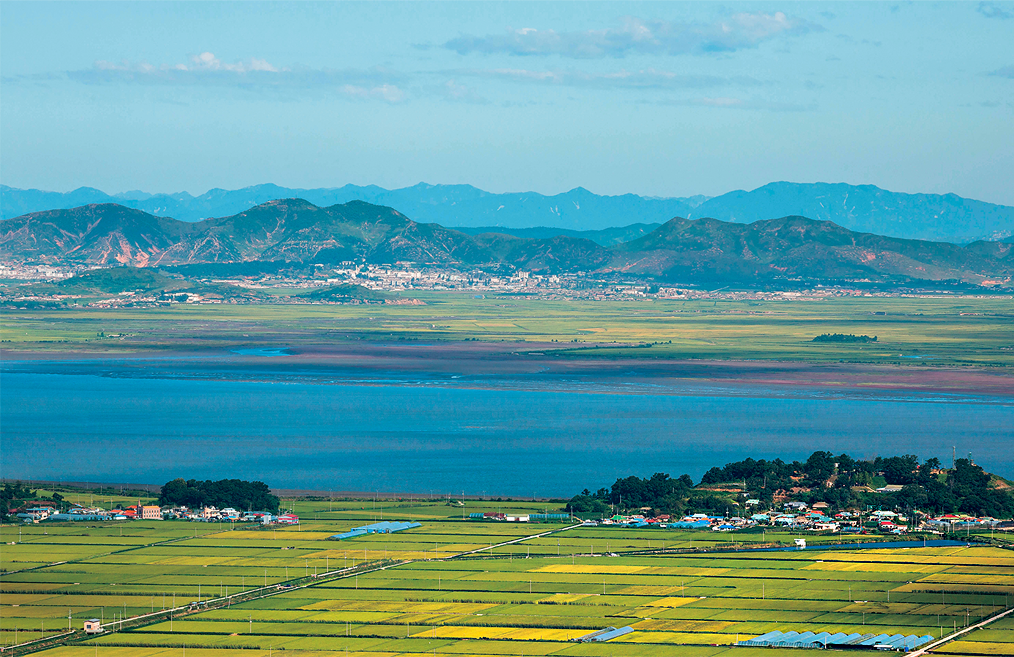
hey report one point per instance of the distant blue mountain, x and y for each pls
(867, 209)
(863, 208)
(450, 205)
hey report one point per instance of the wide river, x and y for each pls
(99, 421)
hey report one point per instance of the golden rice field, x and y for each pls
(520, 597)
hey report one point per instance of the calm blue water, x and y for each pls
(107, 423)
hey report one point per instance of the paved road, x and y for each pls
(923, 651)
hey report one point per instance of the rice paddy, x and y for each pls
(995, 639)
(506, 596)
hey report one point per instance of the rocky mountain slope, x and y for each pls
(297, 231)
(798, 247)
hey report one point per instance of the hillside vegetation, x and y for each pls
(296, 232)
(841, 482)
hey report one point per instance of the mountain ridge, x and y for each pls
(462, 205)
(864, 208)
(297, 231)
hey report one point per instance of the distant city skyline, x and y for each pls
(656, 99)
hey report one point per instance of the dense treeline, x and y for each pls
(12, 496)
(16, 495)
(660, 493)
(841, 337)
(235, 493)
(841, 481)
(13, 492)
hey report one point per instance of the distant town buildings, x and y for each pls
(402, 278)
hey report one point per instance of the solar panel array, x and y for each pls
(837, 640)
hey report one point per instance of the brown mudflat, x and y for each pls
(522, 361)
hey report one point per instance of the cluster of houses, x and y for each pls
(153, 512)
(798, 516)
(794, 516)
(496, 516)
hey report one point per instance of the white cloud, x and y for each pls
(386, 92)
(453, 91)
(727, 102)
(647, 78)
(636, 36)
(205, 69)
(721, 102)
(204, 62)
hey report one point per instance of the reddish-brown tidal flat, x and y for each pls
(480, 364)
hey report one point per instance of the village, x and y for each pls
(47, 511)
(792, 516)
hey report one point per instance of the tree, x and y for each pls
(659, 492)
(845, 463)
(925, 473)
(900, 470)
(819, 468)
(586, 504)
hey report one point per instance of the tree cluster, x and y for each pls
(840, 481)
(841, 337)
(660, 492)
(14, 492)
(11, 496)
(965, 490)
(235, 493)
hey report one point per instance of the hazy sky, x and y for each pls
(651, 98)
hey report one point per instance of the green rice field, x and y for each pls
(996, 639)
(444, 590)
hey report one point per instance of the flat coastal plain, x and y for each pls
(456, 587)
(941, 344)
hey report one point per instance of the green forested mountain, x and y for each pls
(801, 247)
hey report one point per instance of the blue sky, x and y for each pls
(663, 99)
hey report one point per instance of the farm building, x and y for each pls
(605, 635)
(838, 640)
(385, 527)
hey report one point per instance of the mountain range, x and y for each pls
(862, 208)
(297, 231)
